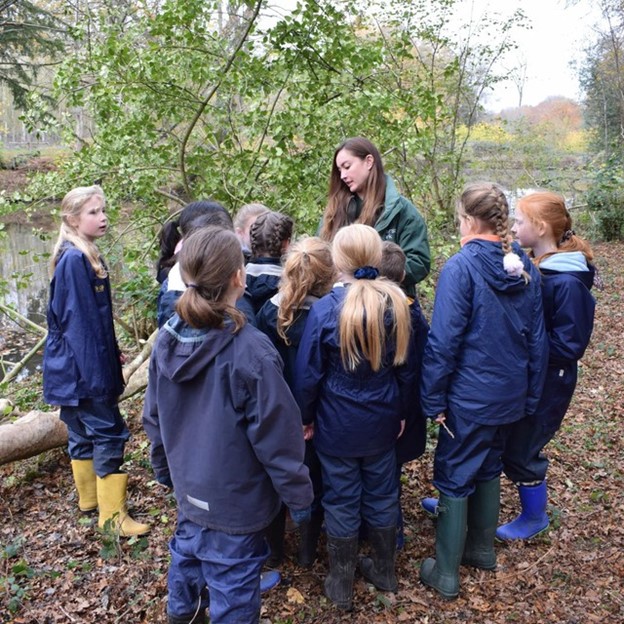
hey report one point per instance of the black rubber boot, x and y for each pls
(274, 534)
(442, 573)
(309, 533)
(192, 618)
(379, 568)
(342, 554)
(482, 520)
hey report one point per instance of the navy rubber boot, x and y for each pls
(532, 519)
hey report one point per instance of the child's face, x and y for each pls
(354, 171)
(92, 221)
(525, 231)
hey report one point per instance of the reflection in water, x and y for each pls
(24, 283)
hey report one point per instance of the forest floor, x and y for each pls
(55, 567)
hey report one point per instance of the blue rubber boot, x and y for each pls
(533, 518)
(430, 505)
(269, 579)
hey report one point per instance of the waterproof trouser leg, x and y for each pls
(111, 495)
(309, 533)
(85, 480)
(442, 573)
(379, 568)
(274, 534)
(342, 554)
(482, 520)
(533, 518)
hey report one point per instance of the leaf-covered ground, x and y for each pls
(55, 567)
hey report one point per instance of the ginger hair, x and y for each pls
(209, 260)
(545, 207)
(368, 302)
(71, 208)
(308, 270)
(335, 215)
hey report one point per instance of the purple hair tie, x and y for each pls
(192, 285)
(366, 272)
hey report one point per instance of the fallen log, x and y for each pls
(30, 435)
(38, 431)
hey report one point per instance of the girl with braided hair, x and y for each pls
(543, 223)
(355, 381)
(483, 369)
(308, 275)
(270, 236)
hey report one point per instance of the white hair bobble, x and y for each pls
(513, 265)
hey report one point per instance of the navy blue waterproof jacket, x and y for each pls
(487, 351)
(263, 277)
(224, 427)
(568, 306)
(267, 323)
(413, 440)
(355, 414)
(81, 357)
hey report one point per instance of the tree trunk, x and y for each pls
(30, 435)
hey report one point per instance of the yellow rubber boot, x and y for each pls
(84, 478)
(111, 496)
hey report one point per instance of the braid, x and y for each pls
(268, 234)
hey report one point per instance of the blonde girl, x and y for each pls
(82, 362)
(308, 275)
(354, 383)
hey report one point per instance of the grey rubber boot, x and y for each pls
(482, 520)
(379, 568)
(442, 573)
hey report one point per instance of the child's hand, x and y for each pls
(308, 432)
(441, 420)
(122, 358)
(402, 429)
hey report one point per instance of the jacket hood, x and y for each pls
(184, 352)
(486, 258)
(572, 262)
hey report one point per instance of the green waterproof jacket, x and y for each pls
(401, 223)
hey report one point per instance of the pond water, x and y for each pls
(24, 281)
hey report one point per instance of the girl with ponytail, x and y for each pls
(543, 224)
(226, 435)
(354, 380)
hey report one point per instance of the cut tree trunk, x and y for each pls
(30, 435)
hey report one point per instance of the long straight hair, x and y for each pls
(363, 316)
(71, 207)
(335, 215)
